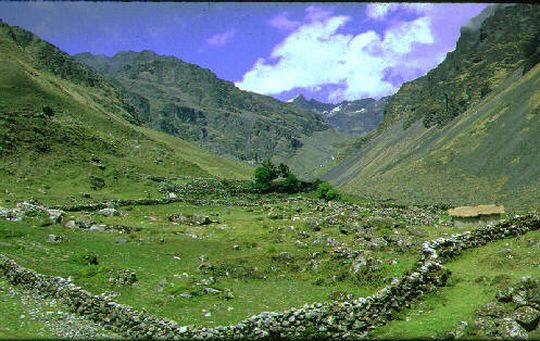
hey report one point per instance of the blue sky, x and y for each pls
(328, 51)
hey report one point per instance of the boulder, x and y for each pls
(55, 239)
(377, 243)
(505, 295)
(527, 317)
(55, 216)
(510, 329)
(70, 224)
(491, 309)
(211, 291)
(459, 331)
(177, 218)
(485, 327)
(108, 212)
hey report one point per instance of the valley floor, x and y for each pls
(217, 259)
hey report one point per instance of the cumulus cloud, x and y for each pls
(317, 54)
(221, 38)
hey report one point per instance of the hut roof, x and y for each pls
(475, 211)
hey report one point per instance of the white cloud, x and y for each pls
(379, 11)
(318, 54)
(222, 38)
(283, 23)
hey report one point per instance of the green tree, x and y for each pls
(264, 175)
(283, 170)
(326, 191)
(291, 184)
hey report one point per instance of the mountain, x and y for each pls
(312, 104)
(188, 101)
(65, 130)
(353, 118)
(467, 132)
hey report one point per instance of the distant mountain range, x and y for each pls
(353, 118)
(467, 132)
(190, 102)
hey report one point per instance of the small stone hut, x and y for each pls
(476, 215)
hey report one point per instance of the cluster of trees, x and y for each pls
(271, 178)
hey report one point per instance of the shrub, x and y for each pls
(96, 182)
(326, 191)
(47, 110)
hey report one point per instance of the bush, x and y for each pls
(47, 110)
(326, 191)
(96, 182)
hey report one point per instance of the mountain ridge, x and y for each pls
(354, 117)
(185, 100)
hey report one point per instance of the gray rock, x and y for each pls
(527, 317)
(459, 331)
(70, 224)
(510, 329)
(505, 295)
(108, 212)
(211, 291)
(161, 285)
(55, 239)
(377, 243)
(485, 326)
(492, 309)
(227, 294)
(55, 216)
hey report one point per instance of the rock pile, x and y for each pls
(26, 208)
(514, 314)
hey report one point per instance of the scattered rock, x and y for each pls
(459, 331)
(211, 291)
(491, 309)
(377, 243)
(123, 277)
(108, 212)
(70, 224)
(53, 239)
(161, 284)
(527, 317)
(510, 329)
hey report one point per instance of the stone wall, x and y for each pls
(337, 319)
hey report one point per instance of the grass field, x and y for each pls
(263, 255)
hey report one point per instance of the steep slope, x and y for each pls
(191, 102)
(482, 154)
(484, 56)
(64, 130)
(353, 118)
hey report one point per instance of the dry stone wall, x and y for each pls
(335, 320)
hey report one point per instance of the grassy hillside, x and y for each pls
(488, 154)
(485, 154)
(188, 101)
(87, 139)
